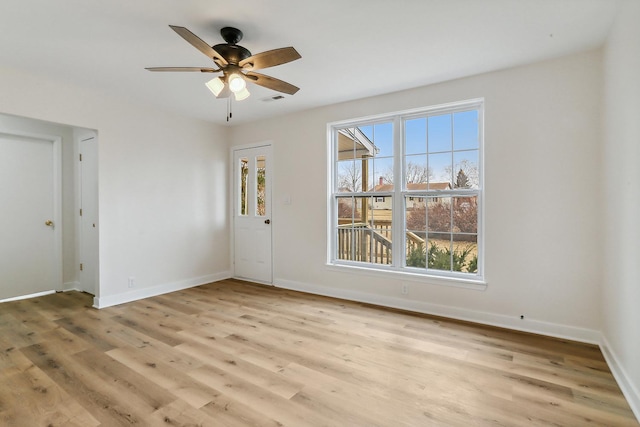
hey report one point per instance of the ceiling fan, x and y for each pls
(236, 64)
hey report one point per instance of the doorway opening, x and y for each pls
(46, 179)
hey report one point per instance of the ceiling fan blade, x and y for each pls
(272, 83)
(199, 44)
(270, 58)
(194, 69)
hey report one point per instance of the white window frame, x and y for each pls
(475, 281)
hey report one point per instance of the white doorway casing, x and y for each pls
(88, 237)
(31, 214)
(252, 236)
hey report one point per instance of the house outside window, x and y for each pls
(406, 191)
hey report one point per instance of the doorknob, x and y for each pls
(267, 221)
(48, 223)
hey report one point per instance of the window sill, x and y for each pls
(428, 279)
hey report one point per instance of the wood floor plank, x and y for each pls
(99, 398)
(233, 353)
(261, 400)
(164, 376)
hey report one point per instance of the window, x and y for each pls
(406, 191)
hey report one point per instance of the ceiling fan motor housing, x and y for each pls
(232, 53)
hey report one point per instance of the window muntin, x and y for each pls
(434, 216)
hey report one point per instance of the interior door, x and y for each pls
(89, 217)
(252, 214)
(30, 216)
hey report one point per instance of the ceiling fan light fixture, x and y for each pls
(242, 94)
(215, 85)
(236, 83)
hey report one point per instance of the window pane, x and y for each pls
(439, 214)
(416, 172)
(465, 171)
(465, 214)
(381, 226)
(465, 130)
(439, 252)
(416, 215)
(440, 168)
(453, 253)
(346, 243)
(244, 195)
(383, 139)
(351, 231)
(415, 134)
(379, 173)
(416, 253)
(465, 255)
(416, 226)
(346, 144)
(347, 210)
(260, 186)
(439, 133)
(349, 176)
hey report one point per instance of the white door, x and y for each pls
(30, 216)
(89, 214)
(252, 214)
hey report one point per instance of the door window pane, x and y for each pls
(260, 186)
(244, 194)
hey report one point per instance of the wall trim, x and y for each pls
(629, 390)
(36, 295)
(493, 319)
(137, 294)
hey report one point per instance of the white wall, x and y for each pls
(542, 134)
(621, 154)
(162, 185)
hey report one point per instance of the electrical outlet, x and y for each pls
(405, 289)
(132, 282)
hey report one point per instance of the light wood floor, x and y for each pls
(233, 354)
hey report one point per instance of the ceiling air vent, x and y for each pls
(273, 98)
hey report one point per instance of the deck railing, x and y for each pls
(361, 242)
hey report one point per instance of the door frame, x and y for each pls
(57, 199)
(79, 138)
(232, 199)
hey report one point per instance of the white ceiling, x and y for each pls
(350, 48)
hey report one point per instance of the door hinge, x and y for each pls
(81, 267)
(80, 156)
(80, 211)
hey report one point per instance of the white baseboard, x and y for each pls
(71, 286)
(134, 295)
(525, 325)
(36, 295)
(631, 391)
